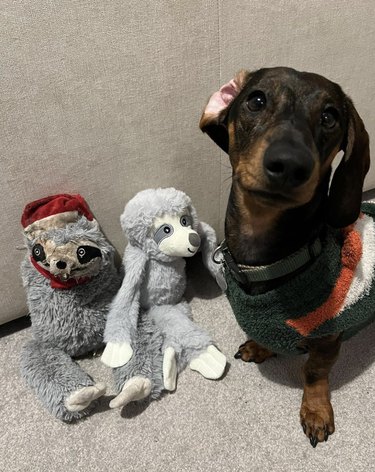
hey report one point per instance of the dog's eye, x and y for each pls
(256, 101)
(38, 253)
(329, 118)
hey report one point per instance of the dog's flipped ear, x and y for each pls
(345, 194)
(213, 119)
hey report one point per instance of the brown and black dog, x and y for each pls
(282, 129)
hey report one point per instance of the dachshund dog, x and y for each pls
(282, 129)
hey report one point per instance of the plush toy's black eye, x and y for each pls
(38, 253)
(329, 118)
(164, 231)
(86, 253)
(256, 101)
(185, 220)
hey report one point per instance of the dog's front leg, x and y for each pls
(316, 410)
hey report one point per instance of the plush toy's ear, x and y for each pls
(345, 194)
(194, 216)
(213, 119)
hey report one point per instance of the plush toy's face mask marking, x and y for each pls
(174, 235)
(72, 260)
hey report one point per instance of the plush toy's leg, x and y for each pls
(147, 359)
(191, 343)
(211, 363)
(59, 382)
(81, 399)
(170, 369)
(134, 389)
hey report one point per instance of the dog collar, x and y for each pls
(55, 281)
(245, 273)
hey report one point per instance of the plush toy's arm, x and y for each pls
(122, 318)
(208, 246)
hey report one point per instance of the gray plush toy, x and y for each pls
(70, 280)
(150, 334)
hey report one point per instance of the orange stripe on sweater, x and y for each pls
(351, 254)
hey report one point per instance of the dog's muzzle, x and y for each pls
(288, 165)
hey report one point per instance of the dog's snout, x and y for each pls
(61, 264)
(194, 239)
(288, 165)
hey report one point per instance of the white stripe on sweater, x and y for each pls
(364, 273)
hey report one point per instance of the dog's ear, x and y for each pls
(213, 119)
(345, 194)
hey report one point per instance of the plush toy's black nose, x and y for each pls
(288, 164)
(61, 264)
(194, 239)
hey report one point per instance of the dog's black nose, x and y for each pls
(61, 264)
(287, 164)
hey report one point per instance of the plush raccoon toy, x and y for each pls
(70, 280)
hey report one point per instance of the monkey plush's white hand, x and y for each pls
(116, 354)
(170, 369)
(211, 363)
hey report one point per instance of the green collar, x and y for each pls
(244, 273)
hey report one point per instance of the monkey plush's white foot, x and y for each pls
(170, 369)
(81, 399)
(116, 354)
(211, 363)
(134, 389)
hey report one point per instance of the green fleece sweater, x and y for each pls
(335, 294)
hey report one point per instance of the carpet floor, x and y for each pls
(246, 421)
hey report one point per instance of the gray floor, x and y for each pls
(246, 421)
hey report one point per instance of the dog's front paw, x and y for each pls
(250, 351)
(317, 421)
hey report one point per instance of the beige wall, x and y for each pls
(104, 97)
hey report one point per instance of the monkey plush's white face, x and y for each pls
(175, 236)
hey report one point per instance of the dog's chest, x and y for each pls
(335, 294)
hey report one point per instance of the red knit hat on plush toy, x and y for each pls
(54, 211)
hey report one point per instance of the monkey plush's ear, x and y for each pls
(345, 194)
(213, 119)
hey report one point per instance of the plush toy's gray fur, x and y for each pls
(147, 359)
(66, 323)
(149, 312)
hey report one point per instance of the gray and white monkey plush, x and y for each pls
(70, 280)
(150, 334)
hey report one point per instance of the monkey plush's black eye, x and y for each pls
(86, 253)
(329, 118)
(38, 253)
(256, 101)
(185, 220)
(164, 231)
